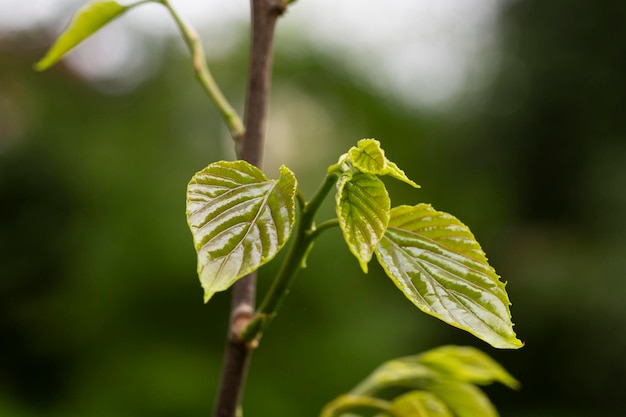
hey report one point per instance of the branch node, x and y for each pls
(239, 319)
(278, 7)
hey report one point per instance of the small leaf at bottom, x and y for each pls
(465, 400)
(419, 404)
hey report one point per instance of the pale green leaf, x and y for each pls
(369, 157)
(86, 22)
(437, 263)
(239, 220)
(396, 373)
(467, 364)
(345, 405)
(363, 210)
(460, 363)
(419, 404)
(393, 170)
(465, 400)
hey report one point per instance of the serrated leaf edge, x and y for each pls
(499, 341)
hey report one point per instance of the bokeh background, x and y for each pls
(510, 114)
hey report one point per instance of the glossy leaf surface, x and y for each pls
(467, 364)
(363, 207)
(437, 263)
(419, 404)
(86, 22)
(239, 220)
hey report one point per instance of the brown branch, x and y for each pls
(237, 358)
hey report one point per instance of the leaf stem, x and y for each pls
(204, 76)
(322, 227)
(305, 236)
(301, 200)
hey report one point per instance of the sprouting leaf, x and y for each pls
(370, 158)
(344, 404)
(419, 404)
(458, 363)
(239, 220)
(437, 263)
(436, 383)
(397, 373)
(467, 364)
(86, 22)
(465, 400)
(363, 210)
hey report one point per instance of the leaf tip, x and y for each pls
(208, 295)
(511, 342)
(42, 65)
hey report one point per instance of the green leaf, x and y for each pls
(465, 400)
(437, 263)
(459, 363)
(467, 364)
(443, 379)
(86, 22)
(239, 220)
(363, 210)
(342, 405)
(419, 404)
(369, 157)
(401, 372)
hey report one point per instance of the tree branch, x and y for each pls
(237, 358)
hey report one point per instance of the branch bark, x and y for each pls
(265, 13)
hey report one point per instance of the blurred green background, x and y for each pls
(101, 311)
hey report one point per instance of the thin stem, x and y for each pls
(320, 195)
(250, 148)
(301, 200)
(322, 227)
(203, 74)
(265, 13)
(305, 236)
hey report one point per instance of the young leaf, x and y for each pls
(437, 263)
(419, 404)
(363, 210)
(467, 364)
(86, 22)
(342, 405)
(239, 220)
(443, 379)
(396, 373)
(370, 158)
(465, 400)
